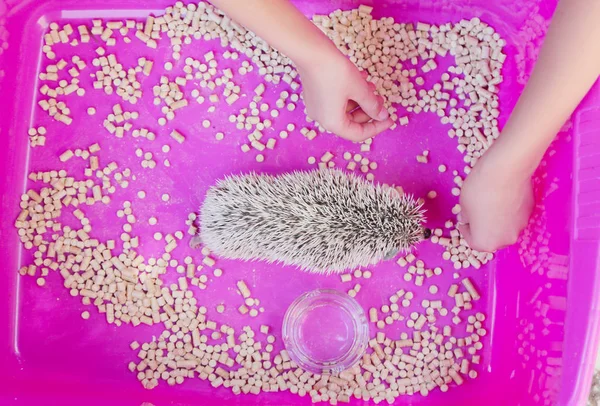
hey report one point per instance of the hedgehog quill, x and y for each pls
(323, 221)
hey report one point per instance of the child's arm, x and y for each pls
(497, 197)
(332, 85)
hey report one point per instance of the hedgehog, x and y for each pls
(322, 221)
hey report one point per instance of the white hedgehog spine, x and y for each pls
(321, 221)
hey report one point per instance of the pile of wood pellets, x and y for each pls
(128, 289)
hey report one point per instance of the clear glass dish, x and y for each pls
(325, 331)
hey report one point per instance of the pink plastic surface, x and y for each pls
(541, 299)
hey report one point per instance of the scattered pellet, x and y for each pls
(177, 136)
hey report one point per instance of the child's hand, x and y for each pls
(496, 202)
(339, 98)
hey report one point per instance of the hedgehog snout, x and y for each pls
(426, 233)
(391, 254)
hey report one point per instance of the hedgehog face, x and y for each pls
(425, 235)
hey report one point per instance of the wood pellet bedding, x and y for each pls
(129, 289)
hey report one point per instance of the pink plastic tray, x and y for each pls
(541, 302)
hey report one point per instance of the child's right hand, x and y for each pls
(341, 100)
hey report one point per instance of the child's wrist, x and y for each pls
(512, 159)
(320, 52)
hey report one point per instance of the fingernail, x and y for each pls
(383, 114)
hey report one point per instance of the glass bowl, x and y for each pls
(325, 331)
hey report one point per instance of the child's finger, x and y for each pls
(465, 231)
(482, 242)
(371, 103)
(360, 117)
(358, 132)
